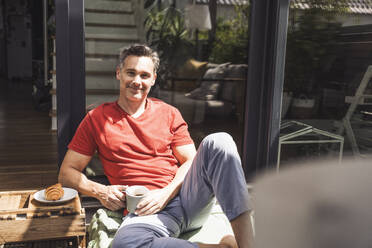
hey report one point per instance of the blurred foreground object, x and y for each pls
(322, 205)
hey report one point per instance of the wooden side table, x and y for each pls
(23, 219)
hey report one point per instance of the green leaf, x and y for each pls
(149, 3)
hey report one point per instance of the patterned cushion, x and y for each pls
(192, 69)
(105, 223)
(237, 71)
(230, 89)
(209, 90)
(218, 108)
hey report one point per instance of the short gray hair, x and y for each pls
(139, 50)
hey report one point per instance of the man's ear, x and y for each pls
(118, 72)
(153, 82)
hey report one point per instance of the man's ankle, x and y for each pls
(228, 241)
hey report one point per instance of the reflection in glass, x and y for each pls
(204, 63)
(109, 26)
(203, 51)
(328, 54)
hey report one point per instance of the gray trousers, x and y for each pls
(216, 172)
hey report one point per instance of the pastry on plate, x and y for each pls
(54, 192)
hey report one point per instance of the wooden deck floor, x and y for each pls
(28, 149)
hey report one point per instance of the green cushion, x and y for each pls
(105, 223)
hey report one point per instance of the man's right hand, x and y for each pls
(71, 175)
(113, 197)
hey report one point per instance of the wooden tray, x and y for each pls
(22, 218)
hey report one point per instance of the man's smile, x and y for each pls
(133, 87)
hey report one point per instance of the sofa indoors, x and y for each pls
(207, 90)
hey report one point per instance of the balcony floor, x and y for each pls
(28, 148)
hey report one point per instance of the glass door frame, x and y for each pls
(70, 70)
(266, 62)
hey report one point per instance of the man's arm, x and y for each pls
(71, 175)
(185, 155)
(158, 199)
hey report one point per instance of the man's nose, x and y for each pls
(137, 80)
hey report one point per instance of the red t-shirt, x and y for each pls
(134, 151)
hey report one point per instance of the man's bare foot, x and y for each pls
(229, 241)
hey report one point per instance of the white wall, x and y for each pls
(353, 20)
(225, 11)
(345, 19)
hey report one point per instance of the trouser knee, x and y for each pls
(133, 237)
(218, 150)
(144, 236)
(218, 142)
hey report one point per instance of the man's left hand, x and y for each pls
(154, 202)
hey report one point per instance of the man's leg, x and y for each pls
(155, 231)
(217, 171)
(243, 230)
(146, 236)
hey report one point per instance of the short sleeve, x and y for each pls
(179, 128)
(83, 141)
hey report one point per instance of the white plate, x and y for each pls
(68, 195)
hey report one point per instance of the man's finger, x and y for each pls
(144, 207)
(154, 209)
(115, 197)
(123, 188)
(144, 201)
(116, 205)
(120, 195)
(109, 205)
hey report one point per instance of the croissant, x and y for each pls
(54, 192)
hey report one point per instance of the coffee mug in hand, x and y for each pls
(134, 195)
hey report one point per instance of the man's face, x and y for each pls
(136, 77)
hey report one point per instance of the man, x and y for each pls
(143, 141)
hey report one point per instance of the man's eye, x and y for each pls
(145, 75)
(131, 73)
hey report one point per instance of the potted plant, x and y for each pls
(166, 33)
(231, 38)
(310, 42)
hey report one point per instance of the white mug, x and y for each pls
(134, 195)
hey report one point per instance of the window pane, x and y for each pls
(328, 53)
(203, 71)
(109, 26)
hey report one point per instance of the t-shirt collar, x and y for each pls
(121, 113)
